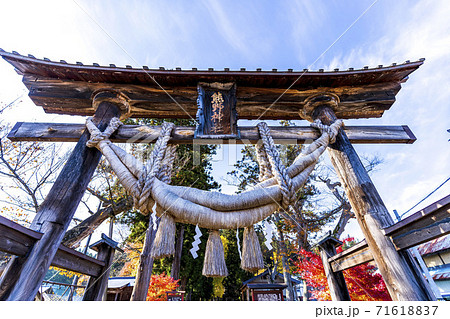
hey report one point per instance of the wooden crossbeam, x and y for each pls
(427, 224)
(17, 240)
(56, 212)
(351, 257)
(57, 132)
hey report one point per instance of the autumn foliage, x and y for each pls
(363, 282)
(159, 284)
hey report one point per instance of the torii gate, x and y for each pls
(107, 92)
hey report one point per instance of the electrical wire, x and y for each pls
(425, 197)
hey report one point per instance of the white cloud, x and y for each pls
(157, 33)
(226, 28)
(412, 171)
(306, 18)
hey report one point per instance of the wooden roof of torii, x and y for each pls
(63, 88)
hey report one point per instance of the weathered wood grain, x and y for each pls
(10, 274)
(216, 113)
(73, 97)
(57, 210)
(66, 88)
(73, 260)
(176, 264)
(422, 235)
(145, 267)
(335, 278)
(351, 257)
(18, 240)
(58, 132)
(372, 216)
(427, 224)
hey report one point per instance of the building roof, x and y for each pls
(435, 246)
(105, 240)
(329, 239)
(441, 272)
(266, 286)
(265, 274)
(60, 87)
(121, 282)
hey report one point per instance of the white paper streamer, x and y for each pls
(268, 230)
(238, 243)
(153, 216)
(196, 242)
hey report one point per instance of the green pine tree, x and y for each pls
(186, 172)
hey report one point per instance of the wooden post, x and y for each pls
(336, 281)
(10, 275)
(144, 273)
(370, 211)
(284, 262)
(176, 264)
(305, 291)
(75, 278)
(58, 208)
(97, 286)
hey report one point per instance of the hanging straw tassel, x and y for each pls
(214, 263)
(252, 259)
(164, 244)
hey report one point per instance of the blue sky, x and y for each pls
(261, 34)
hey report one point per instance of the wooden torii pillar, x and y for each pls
(336, 282)
(65, 88)
(23, 275)
(402, 279)
(144, 273)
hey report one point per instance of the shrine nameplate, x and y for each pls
(216, 115)
(267, 295)
(175, 295)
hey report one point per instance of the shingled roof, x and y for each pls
(60, 87)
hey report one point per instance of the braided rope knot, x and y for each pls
(152, 167)
(265, 169)
(331, 130)
(278, 170)
(96, 135)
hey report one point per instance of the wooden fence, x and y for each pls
(427, 224)
(17, 240)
